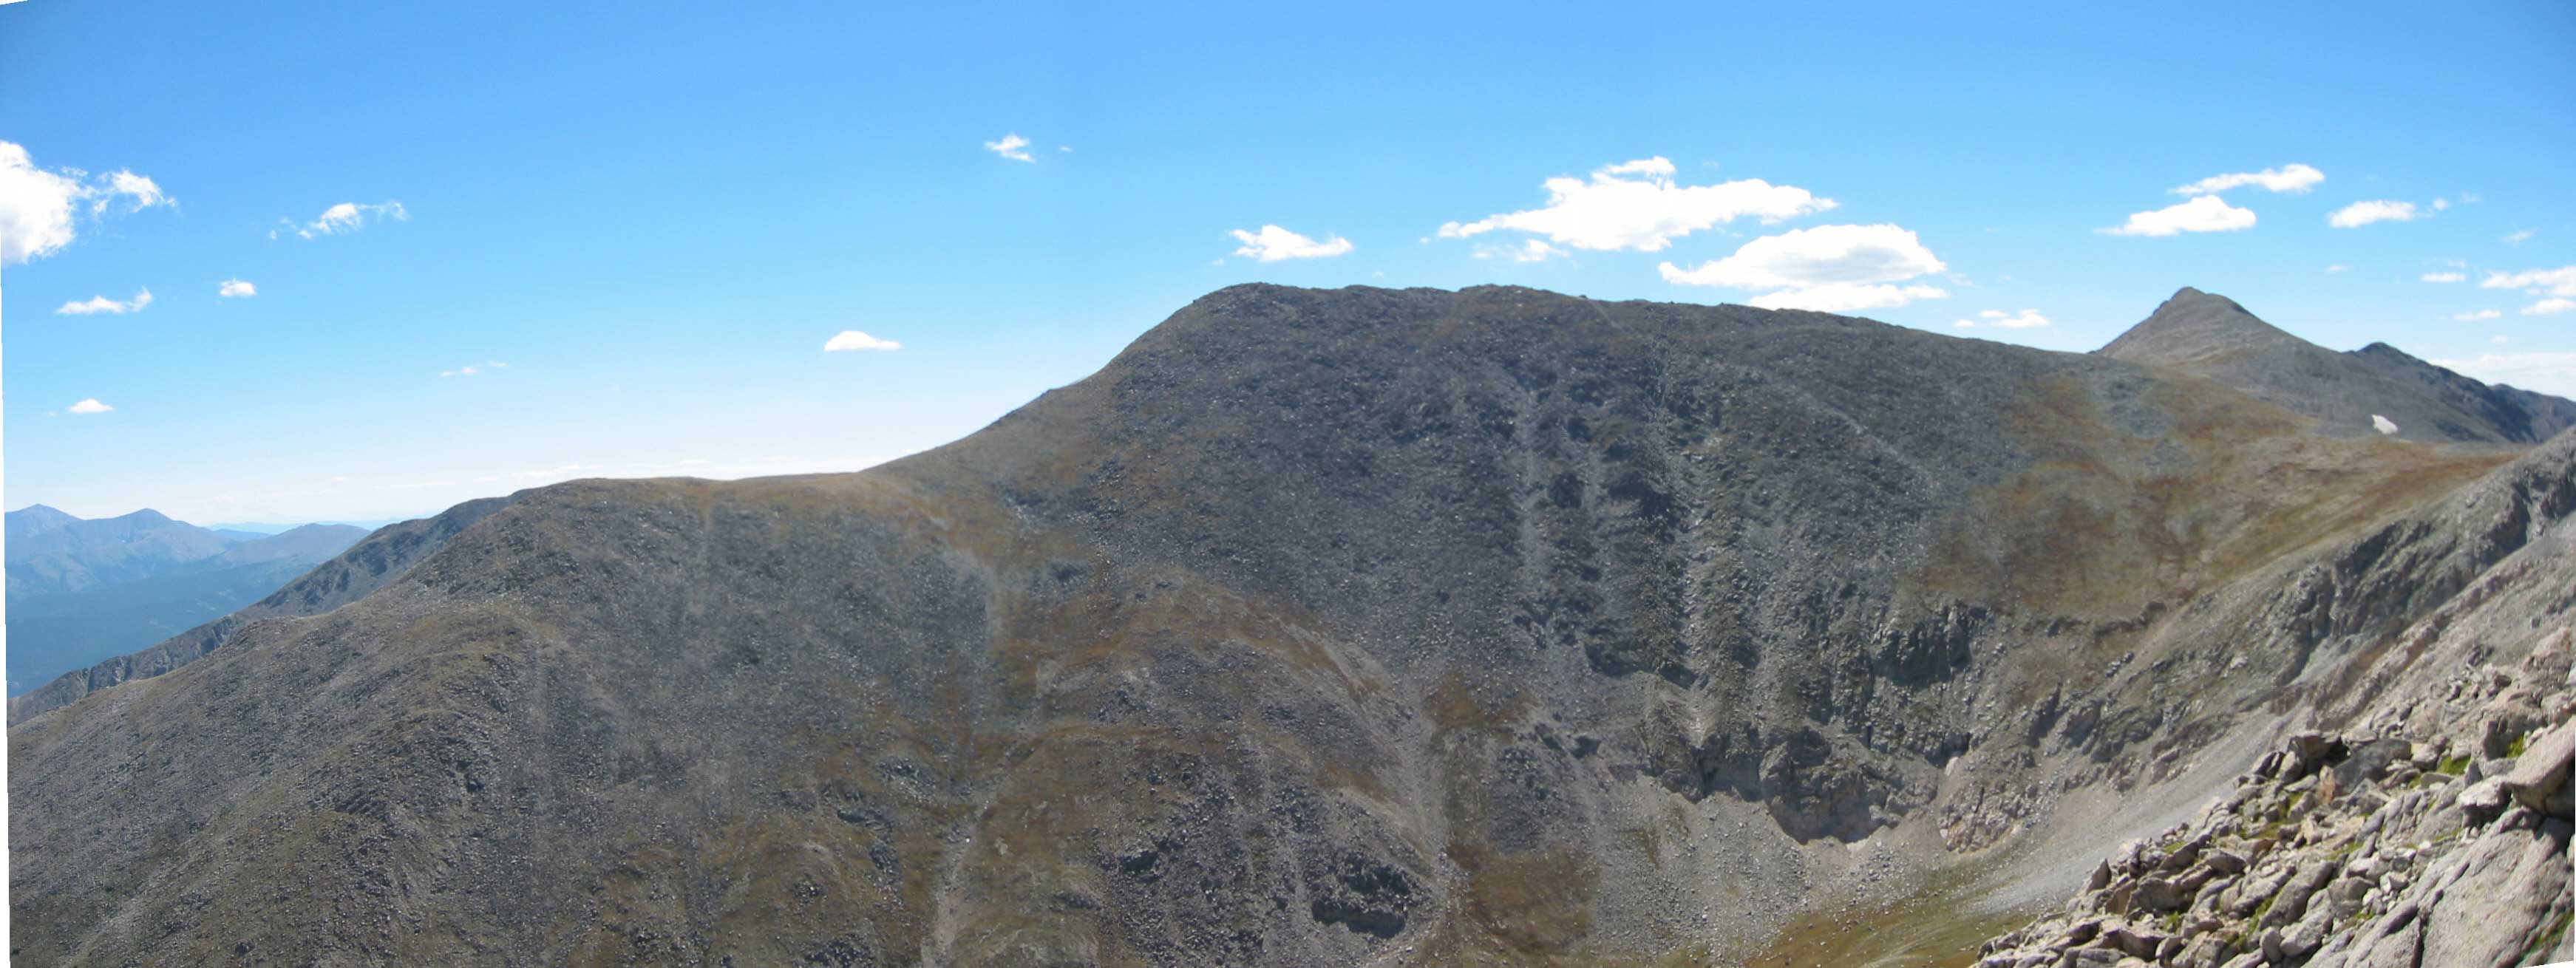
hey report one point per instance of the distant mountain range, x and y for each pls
(81, 590)
(256, 528)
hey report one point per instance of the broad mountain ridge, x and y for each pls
(1358, 626)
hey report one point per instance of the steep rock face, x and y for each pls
(1482, 627)
(2427, 823)
(2214, 337)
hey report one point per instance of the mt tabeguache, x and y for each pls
(1495, 627)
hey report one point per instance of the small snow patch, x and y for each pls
(2383, 424)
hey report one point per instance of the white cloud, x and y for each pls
(2557, 285)
(851, 339)
(1635, 206)
(2359, 214)
(2207, 213)
(2441, 204)
(2551, 282)
(102, 304)
(1273, 243)
(472, 369)
(2026, 319)
(1827, 255)
(2446, 277)
(2382, 424)
(39, 208)
(90, 405)
(2338, 267)
(2296, 179)
(2518, 238)
(1843, 297)
(2499, 339)
(2547, 372)
(344, 217)
(2480, 314)
(236, 289)
(139, 192)
(1013, 147)
(1530, 250)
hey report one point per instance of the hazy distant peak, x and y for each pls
(36, 519)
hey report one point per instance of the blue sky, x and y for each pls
(657, 217)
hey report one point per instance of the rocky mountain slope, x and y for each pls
(2214, 337)
(1318, 628)
(2434, 829)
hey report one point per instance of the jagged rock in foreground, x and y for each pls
(1319, 628)
(2343, 851)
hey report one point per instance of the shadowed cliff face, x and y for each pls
(1484, 627)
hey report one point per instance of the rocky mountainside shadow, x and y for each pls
(1404, 627)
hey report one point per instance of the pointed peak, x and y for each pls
(2196, 325)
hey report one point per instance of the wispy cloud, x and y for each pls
(851, 340)
(2557, 286)
(2359, 214)
(2338, 267)
(1829, 268)
(2026, 319)
(2520, 237)
(344, 217)
(2296, 179)
(1013, 147)
(2478, 315)
(1636, 206)
(473, 369)
(2207, 213)
(102, 304)
(40, 208)
(2446, 277)
(236, 289)
(90, 405)
(1273, 244)
(1530, 250)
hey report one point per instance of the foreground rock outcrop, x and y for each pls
(2340, 851)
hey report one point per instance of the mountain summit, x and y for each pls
(1400, 627)
(2194, 327)
(2370, 390)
